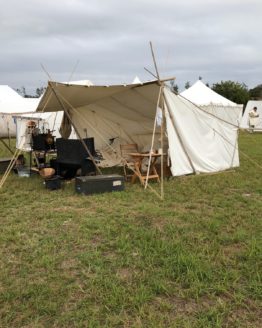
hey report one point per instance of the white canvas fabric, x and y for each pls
(136, 80)
(44, 122)
(7, 126)
(198, 143)
(126, 114)
(11, 103)
(244, 124)
(213, 103)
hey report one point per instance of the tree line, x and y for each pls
(38, 92)
(234, 91)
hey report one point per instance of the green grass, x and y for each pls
(129, 260)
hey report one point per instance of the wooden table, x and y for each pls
(138, 161)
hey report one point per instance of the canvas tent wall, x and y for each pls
(198, 142)
(244, 124)
(11, 103)
(213, 103)
(44, 122)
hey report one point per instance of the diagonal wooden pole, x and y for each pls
(161, 83)
(154, 60)
(6, 145)
(76, 130)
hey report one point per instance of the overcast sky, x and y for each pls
(107, 41)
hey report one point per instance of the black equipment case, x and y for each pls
(53, 183)
(71, 156)
(100, 183)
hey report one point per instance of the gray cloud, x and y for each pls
(215, 39)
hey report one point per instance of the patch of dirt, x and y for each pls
(110, 255)
(124, 274)
(232, 250)
(159, 224)
(96, 240)
(69, 264)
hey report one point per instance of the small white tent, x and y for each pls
(213, 103)
(244, 124)
(198, 142)
(43, 121)
(12, 103)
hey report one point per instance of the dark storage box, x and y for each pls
(53, 183)
(72, 151)
(40, 142)
(100, 183)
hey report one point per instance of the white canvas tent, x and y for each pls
(244, 124)
(198, 142)
(43, 121)
(213, 103)
(11, 103)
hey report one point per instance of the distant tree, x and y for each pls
(174, 86)
(39, 91)
(256, 93)
(21, 91)
(207, 84)
(187, 85)
(200, 78)
(234, 91)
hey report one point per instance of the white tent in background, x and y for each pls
(244, 124)
(43, 121)
(198, 142)
(136, 80)
(213, 103)
(86, 83)
(12, 103)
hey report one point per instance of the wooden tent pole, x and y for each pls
(76, 130)
(153, 139)
(161, 83)
(12, 162)
(154, 60)
(5, 144)
(162, 154)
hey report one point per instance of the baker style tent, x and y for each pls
(244, 124)
(213, 103)
(120, 114)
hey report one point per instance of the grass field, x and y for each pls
(129, 260)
